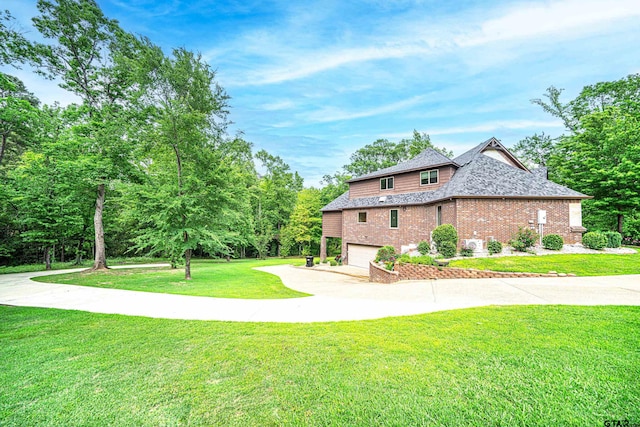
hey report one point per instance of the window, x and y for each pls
(439, 215)
(386, 183)
(429, 177)
(393, 218)
(362, 217)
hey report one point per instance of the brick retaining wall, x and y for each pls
(379, 274)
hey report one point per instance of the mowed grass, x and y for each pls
(28, 268)
(509, 366)
(579, 264)
(211, 278)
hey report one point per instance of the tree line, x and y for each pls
(142, 164)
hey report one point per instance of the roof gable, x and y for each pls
(426, 159)
(491, 144)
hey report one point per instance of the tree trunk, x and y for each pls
(78, 260)
(3, 147)
(62, 252)
(100, 260)
(187, 259)
(620, 223)
(47, 258)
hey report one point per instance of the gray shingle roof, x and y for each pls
(481, 176)
(426, 159)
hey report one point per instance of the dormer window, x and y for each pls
(429, 177)
(386, 183)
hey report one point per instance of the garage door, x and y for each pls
(360, 255)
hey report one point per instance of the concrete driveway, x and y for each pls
(336, 297)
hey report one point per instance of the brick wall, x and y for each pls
(378, 274)
(415, 224)
(500, 218)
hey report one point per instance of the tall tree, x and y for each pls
(275, 197)
(598, 155)
(603, 160)
(14, 48)
(87, 55)
(195, 194)
(535, 150)
(305, 223)
(383, 153)
(18, 113)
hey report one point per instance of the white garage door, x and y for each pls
(360, 255)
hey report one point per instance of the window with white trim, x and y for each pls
(429, 177)
(386, 183)
(393, 218)
(362, 217)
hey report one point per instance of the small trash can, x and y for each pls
(309, 261)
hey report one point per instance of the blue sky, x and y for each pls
(314, 81)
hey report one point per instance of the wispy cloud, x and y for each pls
(282, 59)
(332, 114)
(496, 125)
(534, 20)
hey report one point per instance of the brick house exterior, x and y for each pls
(486, 194)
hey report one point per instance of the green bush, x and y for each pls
(467, 252)
(614, 239)
(333, 263)
(424, 247)
(594, 240)
(494, 247)
(445, 233)
(447, 249)
(422, 260)
(386, 254)
(524, 239)
(552, 242)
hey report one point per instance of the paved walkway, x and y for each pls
(336, 297)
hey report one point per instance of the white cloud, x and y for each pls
(331, 114)
(496, 125)
(284, 104)
(533, 20)
(282, 59)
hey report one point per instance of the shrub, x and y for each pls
(468, 252)
(424, 247)
(333, 262)
(552, 242)
(594, 240)
(421, 260)
(614, 239)
(524, 239)
(447, 249)
(386, 254)
(494, 247)
(445, 233)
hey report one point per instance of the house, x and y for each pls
(486, 193)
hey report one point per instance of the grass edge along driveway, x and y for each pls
(211, 278)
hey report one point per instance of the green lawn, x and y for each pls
(509, 366)
(579, 264)
(211, 278)
(27, 268)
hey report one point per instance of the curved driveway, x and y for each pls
(336, 297)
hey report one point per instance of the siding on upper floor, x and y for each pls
(332, 224)
(402, 183)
